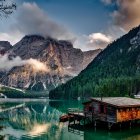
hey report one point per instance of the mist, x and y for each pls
(7, 64)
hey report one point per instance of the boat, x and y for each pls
(65, 118)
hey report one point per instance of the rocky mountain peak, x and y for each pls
(32, 38)
(5, 46)
(65, 43)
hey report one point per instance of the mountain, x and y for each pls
(5, 46)
(61, 59)
(114, 72)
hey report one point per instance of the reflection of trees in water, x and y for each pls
(1, 137)
(35, 119)
(64, 105)
(124, 134)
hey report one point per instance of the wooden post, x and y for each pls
(92, 117)
(85, 119)
(95, 124)
(130, 124)
(69, 120)
(110, 125)
(120, 125)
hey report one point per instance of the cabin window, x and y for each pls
(101, 108)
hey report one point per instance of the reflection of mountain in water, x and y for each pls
(32, 120)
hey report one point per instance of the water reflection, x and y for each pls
(40, 120)
(133, 134)
(37, 120)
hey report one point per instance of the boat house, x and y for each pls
(112, 109)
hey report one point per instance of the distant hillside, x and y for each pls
(114, 72)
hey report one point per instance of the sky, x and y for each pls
(88, 24)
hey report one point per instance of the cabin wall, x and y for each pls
(101, 112)
(111, 114)
(128, 114)
(86, 107)
(95, 108)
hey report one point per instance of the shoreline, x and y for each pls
(23, 100)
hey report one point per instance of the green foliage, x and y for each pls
(12, 93)
(114, 72)
(122, 86)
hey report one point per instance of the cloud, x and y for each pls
(95, 37)
(12, 37)
(126, 14)
(36, 65)
(31, 19)
(7, 64)
(93, 41)
(99, 40)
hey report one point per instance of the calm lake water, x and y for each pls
(39, 120)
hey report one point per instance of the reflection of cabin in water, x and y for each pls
(112, 109)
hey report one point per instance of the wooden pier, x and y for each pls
(72, 113)
(74, 116)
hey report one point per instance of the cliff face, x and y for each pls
(89, 56)
(62, 61)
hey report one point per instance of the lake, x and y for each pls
(39, 120)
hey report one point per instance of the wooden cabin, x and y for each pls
(112, 109)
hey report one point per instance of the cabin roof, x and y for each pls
(119, 101)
